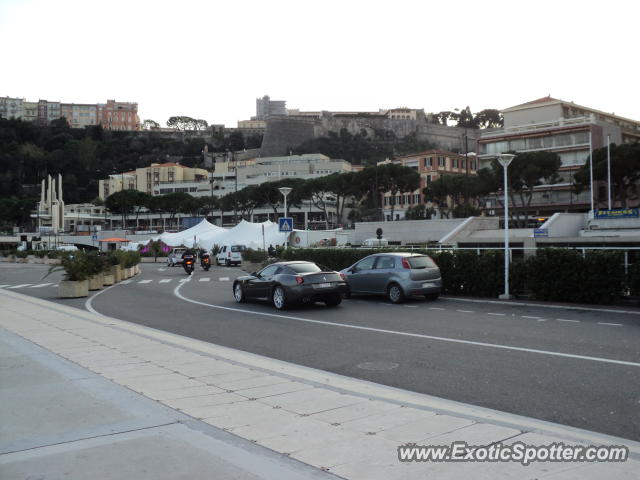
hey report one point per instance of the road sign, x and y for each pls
(285, 224)
(540, 232)
(94, 237)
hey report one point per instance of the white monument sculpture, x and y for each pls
(51, 206)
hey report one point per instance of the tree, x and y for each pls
(343, 187)
(399, 179)
(625, 171)
(181, 123)
(439, 191)
(527, 171)
(122, 203)
(489, 118)
(149, 124)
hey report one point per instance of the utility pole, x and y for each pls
(235, 193)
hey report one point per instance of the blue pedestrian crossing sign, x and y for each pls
(285, 224)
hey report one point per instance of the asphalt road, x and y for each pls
(578, 368)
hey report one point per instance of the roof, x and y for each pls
(168, 164)
(115, 239)
(431, 152)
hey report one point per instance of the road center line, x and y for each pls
(497, 314)
(435, 308)
(177, 293)
(567, 320)
(464, 311)
(533, 318)
(610, 324)
(165, 280)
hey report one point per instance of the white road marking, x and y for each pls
(205, 279)
(165, 280)
(125, 282)
(533, 318)
(176, 292)
(464, 311)
(182, 280)
(41, 285)
(497, 314)
(224, 279)
(5, 285)
(567, 320)
(610, 324)
(145, 281)
(161, 269)
(411, 306)
(54, 285)
(435, 308)
(20, 286)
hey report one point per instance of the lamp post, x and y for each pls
(285, 191)
(505, 160)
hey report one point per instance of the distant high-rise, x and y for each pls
(266, 107)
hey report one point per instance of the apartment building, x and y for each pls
(431, 165)
(156, 179)
(550, 124)
(111, 115)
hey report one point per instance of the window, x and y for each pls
(366, 264)
(385, 263)
(304, 267)
(463, 163)
(269, 271)
(428, 162)
(454, 163)
(442, 162)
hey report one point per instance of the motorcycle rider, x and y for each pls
(188, 255)
(205, 259)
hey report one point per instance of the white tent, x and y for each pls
(245, 233)
(186, 237)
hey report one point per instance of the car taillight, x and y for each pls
(405, 264)
(299, 280)
(343, 277)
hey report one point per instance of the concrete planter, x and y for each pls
(137, 269)
(95, 282)
(69, 289)
(116, 271)
(107, 279)
(52, 261)
(129, 272)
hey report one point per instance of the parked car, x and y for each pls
(285, 283)
(230, 255)
(396, 275)
(175, 257)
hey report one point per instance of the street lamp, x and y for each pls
(505, 160)
(285, 191)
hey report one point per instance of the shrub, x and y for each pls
(96, 263)
(75, 265)
(254, 256)
(130, 259)
(22, 254)
(53, 254)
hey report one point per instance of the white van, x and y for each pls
(230, 255)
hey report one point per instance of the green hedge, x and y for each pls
(553, 274)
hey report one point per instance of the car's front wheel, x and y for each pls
(279, 299)
(238, 293)
(333, 300)
(395, 293)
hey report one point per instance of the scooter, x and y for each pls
(205, 262)
(188, 265)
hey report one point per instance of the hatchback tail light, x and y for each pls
(343, 277)
(405, 263)
(299, 280)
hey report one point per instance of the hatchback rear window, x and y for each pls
(421, 262)
(304, 267)
(236, 248)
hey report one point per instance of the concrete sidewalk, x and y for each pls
(101, 398)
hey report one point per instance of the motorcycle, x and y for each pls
(188, 265)
(205, 263)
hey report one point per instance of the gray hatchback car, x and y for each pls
(396, 275)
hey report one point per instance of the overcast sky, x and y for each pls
(212, 59)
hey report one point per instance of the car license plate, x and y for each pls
(428, 284)
(322, 285)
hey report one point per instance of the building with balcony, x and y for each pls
(150, 179)
(549, 124)
(431, 165)
(10, 107)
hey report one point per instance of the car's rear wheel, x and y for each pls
(238, 293)
(279, 298)
(431, 296)
(395, 293)
(333, 300)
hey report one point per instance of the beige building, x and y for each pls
(152, 179)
